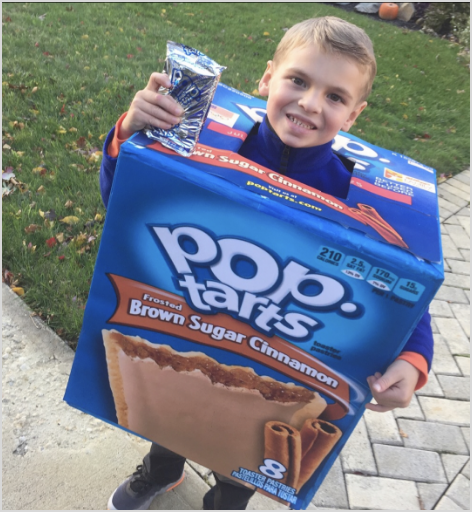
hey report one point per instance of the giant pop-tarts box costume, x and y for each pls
(234, 314)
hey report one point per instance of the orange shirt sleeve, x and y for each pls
(114, 147)
(420, 363)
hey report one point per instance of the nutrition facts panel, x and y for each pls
(382, 279)
(356, 267)
(409, 290)
(330, 256)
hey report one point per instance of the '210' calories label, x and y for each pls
(330, 256)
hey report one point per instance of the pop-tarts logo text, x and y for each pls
(251, 283)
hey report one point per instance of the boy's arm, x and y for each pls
(418, 350)
(107, 167)
(407, 373)
(114, 148)
(148, 108)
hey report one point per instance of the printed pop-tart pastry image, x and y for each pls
(198, 407)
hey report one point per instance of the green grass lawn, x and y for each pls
(70, 70)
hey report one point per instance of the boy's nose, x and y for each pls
(311, 102)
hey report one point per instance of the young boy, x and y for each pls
(317, 85)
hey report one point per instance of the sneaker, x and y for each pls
(138, 491)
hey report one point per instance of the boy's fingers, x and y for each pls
(163, 115)
(378, 407)
(164, 102)
(157, 80)
(158, 123)
(384, 382)
(168, 104)
(158, 106)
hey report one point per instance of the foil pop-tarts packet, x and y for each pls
(194, 78)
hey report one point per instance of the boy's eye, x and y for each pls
(334, 97)
(297, 81)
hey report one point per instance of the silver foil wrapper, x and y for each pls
(194, 78)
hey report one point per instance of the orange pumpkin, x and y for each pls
(388, 11)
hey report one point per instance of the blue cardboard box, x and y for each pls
(234, 314)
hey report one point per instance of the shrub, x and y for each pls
(446, 19)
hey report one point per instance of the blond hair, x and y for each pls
(333, 35)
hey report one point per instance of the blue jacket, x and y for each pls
(317, 167)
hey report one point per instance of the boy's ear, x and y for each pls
(353, 116)
(264, 81)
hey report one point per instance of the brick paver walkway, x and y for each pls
(418, 458)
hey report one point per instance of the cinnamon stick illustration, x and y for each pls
(283, 444)
(318, 439)
(374, 215)
(370, 217)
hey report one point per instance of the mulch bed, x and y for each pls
(410, 25)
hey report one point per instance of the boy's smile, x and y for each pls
(312, 95)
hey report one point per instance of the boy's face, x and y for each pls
(312, 95)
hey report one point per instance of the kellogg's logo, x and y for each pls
(240, 278)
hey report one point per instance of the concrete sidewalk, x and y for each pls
(57, 458)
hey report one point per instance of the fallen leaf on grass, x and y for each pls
(71, 219)
(7, 277)
(32, 228)
(61, 258)
(31, 247)
(7, 189)
(50, 215)
(60, 237)
(80, 240)
(94, 157)
(18, 290)
(51, 242)
(98, 217)
(84, 249)
(7, 175)
(69, 204)
(41, 190)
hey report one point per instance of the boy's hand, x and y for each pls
(149, 108)
(394, 388)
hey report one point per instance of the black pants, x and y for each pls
(165, 467)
